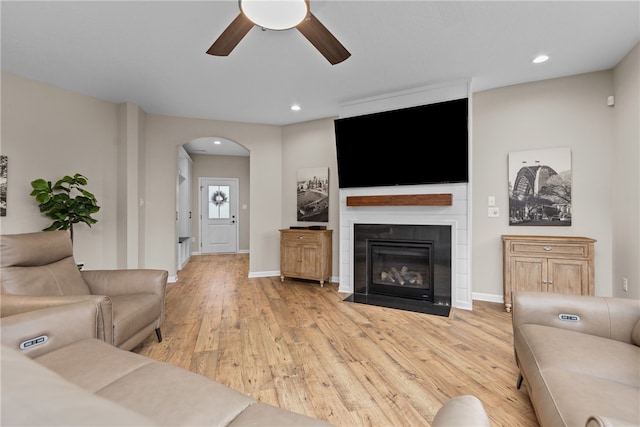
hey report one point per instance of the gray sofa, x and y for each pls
(579, 357)
(71, 378)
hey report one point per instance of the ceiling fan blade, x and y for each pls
(323, 40)
(231, 36)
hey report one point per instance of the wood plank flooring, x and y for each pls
(298, 346)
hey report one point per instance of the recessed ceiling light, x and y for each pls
(216, 142)
(540, 59)
(295, 107)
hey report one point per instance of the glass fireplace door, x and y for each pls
(400, 268)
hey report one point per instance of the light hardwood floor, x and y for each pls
(301, 347)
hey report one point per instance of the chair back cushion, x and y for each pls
(39, 263)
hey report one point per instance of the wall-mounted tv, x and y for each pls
(427, 144)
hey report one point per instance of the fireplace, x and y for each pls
(400, 268)
(403, 266)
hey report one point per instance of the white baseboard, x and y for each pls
(487, 297)
(264, 274)
(241, 251)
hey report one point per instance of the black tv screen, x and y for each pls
(427, 144)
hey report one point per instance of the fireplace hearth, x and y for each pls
(403, 266)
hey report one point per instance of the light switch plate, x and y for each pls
(494, 212)
(491, 201)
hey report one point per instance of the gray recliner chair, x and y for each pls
(38, 270)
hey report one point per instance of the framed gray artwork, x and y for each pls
(540, 187)
(3, 185)
(312, 187)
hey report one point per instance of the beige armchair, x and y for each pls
(38, 271)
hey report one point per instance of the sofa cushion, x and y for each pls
(35, 396)
(576, 396)
(58, 278)
(572, 376)
(165, 393)
(548, 347)
(40, 264)
(34, 249)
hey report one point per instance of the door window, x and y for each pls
(219, 202)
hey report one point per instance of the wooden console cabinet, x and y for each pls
(306, 254)
(547, 264)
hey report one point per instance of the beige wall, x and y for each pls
(163, 135)
(47, 133)
(205, 166)
(309, 145)
(568, 112)
(130, 186)
(626, 175)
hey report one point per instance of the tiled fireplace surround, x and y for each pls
(455, 216)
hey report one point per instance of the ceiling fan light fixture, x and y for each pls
(275, 14)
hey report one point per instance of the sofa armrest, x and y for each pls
(11, 305)
(123, 282)
(605, 317)
(61, 325)
(464, 410)
(598, 421)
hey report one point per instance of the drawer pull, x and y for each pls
(548, 248)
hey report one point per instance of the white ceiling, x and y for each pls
(152, 53)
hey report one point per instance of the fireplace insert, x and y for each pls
(401, 268)
(405, 266)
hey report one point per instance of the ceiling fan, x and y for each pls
(279, 15)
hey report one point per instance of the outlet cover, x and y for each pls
(494, 212)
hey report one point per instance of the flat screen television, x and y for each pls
(427, 144)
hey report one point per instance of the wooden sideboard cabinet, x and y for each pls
(547, 264)
(306, 254)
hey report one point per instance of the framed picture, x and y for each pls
(3, 185)
(312, 188)
(540, 187)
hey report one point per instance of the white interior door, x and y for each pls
(219, 215)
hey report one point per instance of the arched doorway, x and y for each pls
(212, 157)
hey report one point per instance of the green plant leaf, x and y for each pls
(43, 198)
(80, 179)
(41, 185)
(60, 203)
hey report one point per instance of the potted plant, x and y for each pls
(66, 202)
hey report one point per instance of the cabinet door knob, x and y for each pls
(548, 248)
